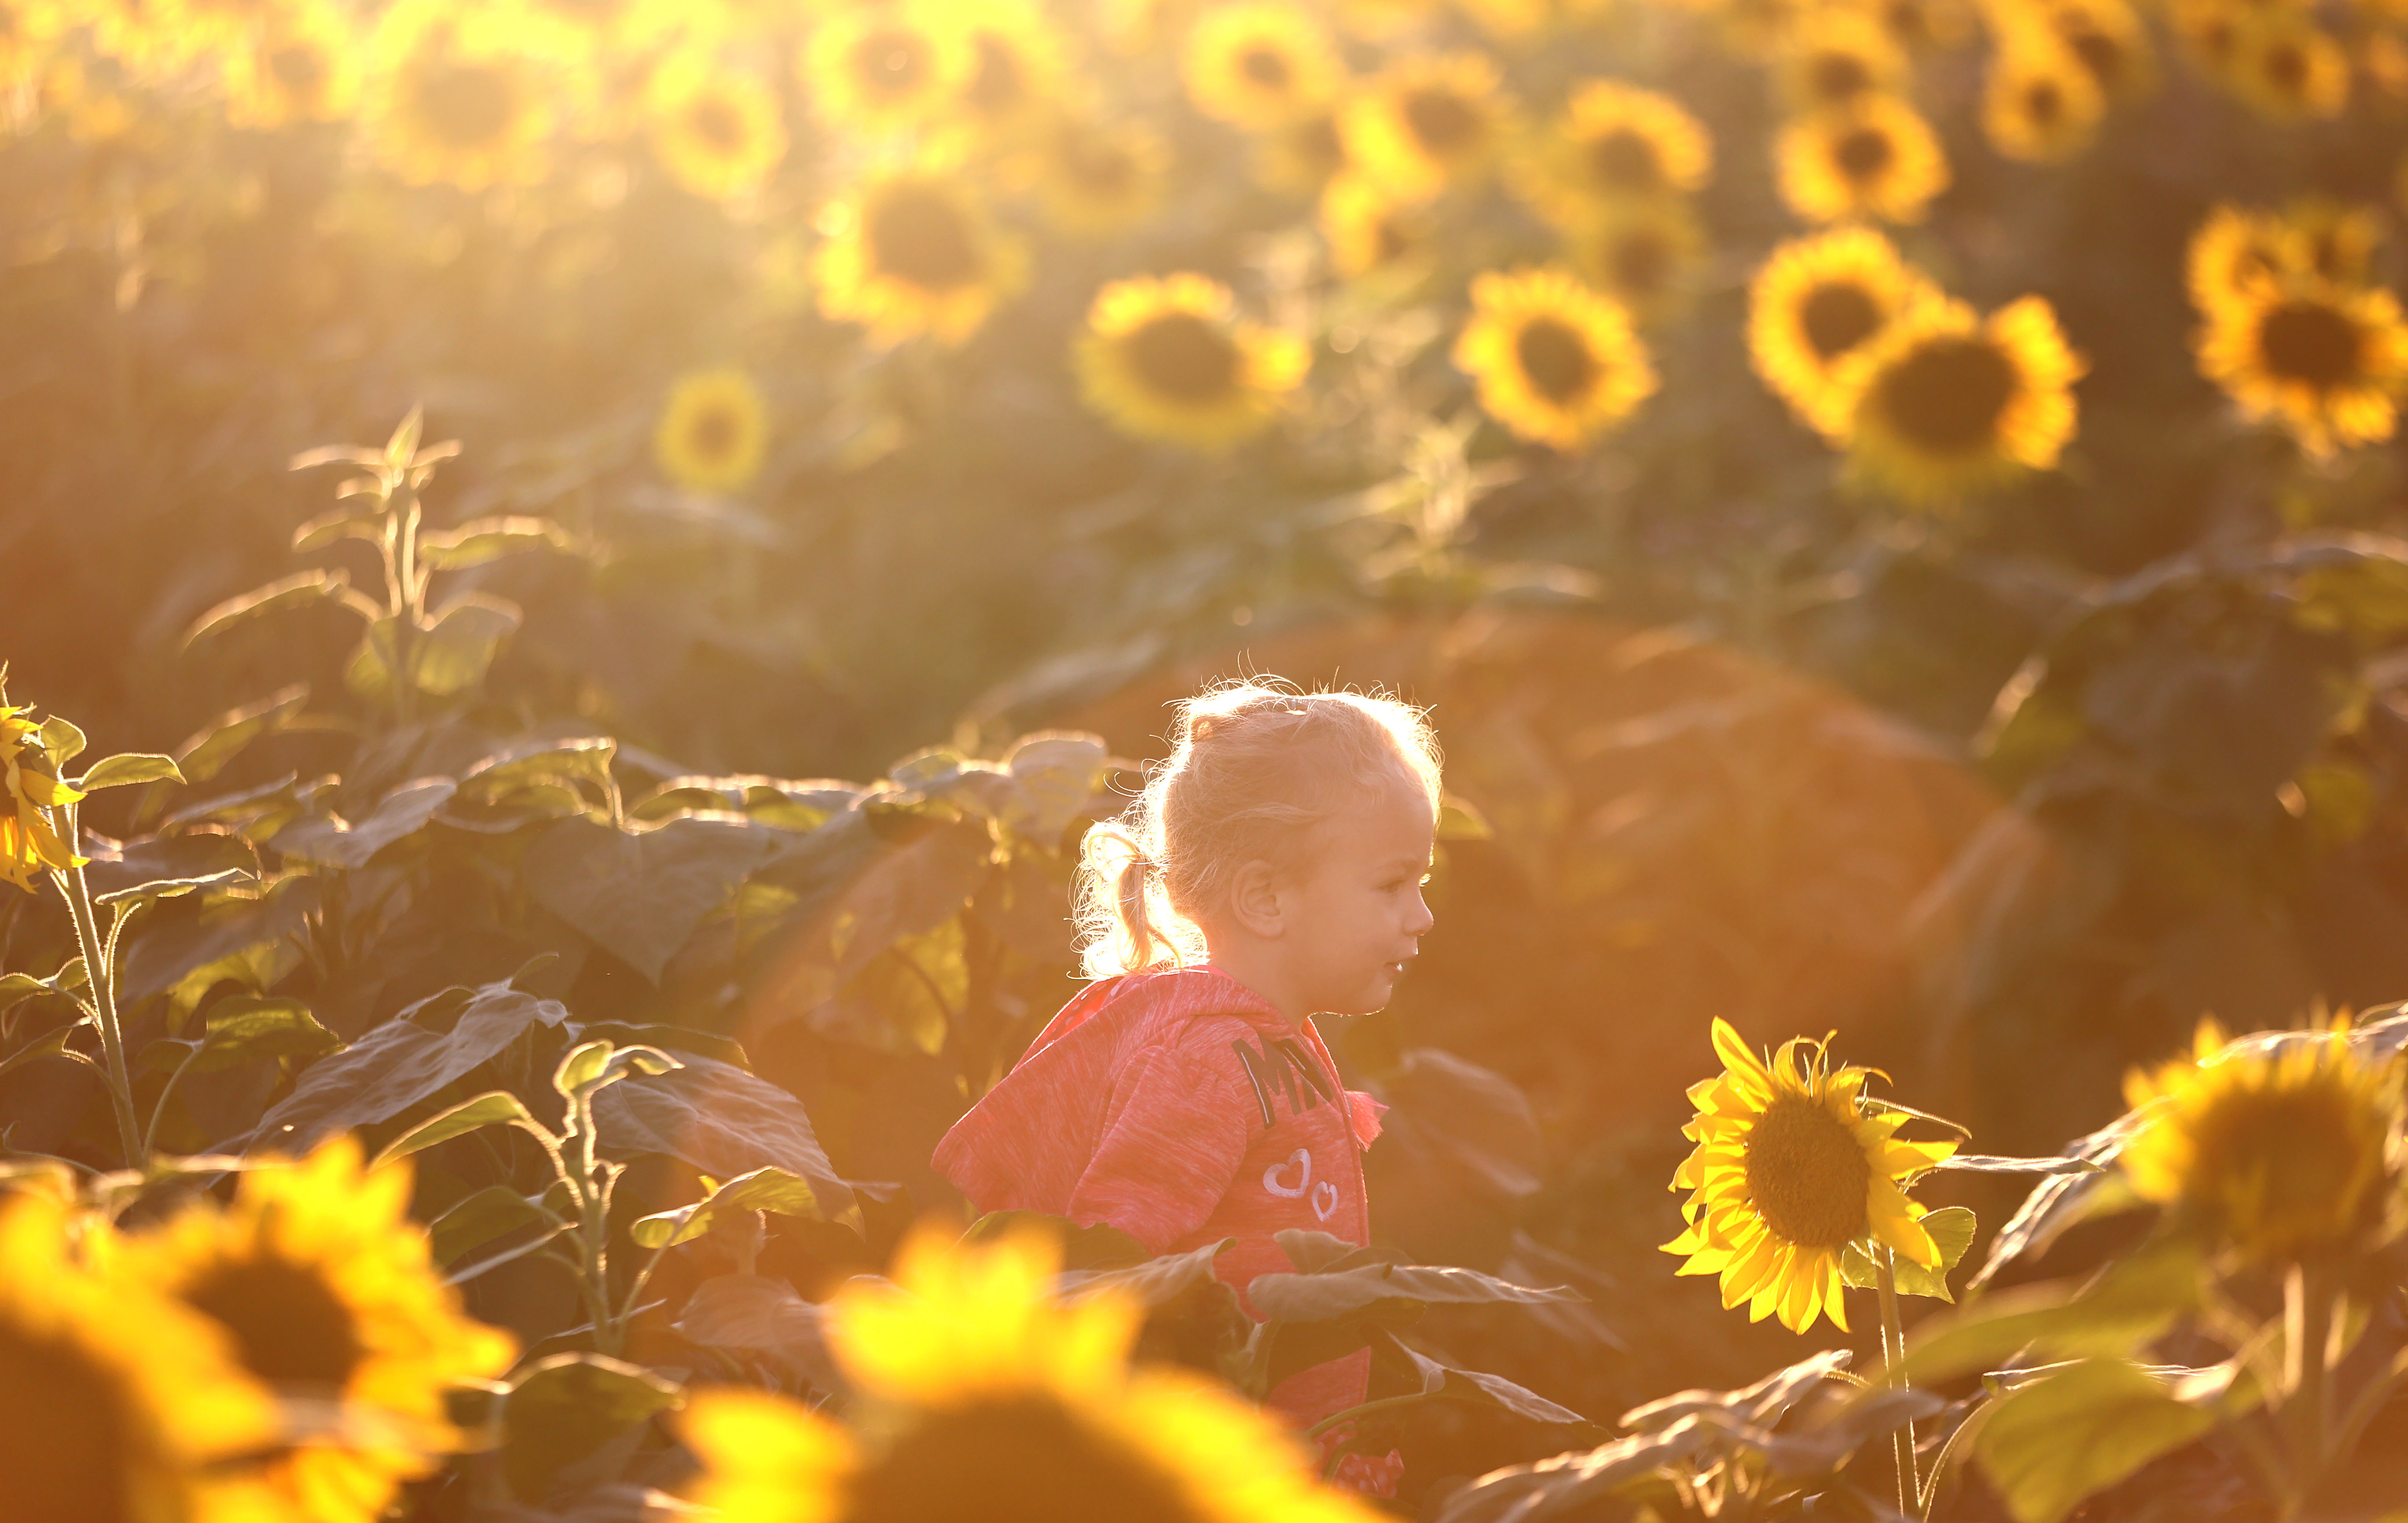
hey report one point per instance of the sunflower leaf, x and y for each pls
(564, 1407)
(762, 1189)
(495, 1105)
(242, 1028)
(2051, 1444)
(302, 587)
(1952, 1234)
(128, 768)
(483, 540)
(491, 1212)
(1984, 1163)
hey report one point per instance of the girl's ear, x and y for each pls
(1254, 900)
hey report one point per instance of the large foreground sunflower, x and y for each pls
(1793, 1165)
(1815, 302)
(2328, 359)
(1260, 64)
(1552, 359)
(1168, 359)
(1945, 403)
(328, 1292)
(717, 131)
(974, 1384)
(29, 842)
(1428, 123)
(117, 1404)
(713, 431)
(459, 97)
(911, 252)
(1875, 158)
(2285, 1155)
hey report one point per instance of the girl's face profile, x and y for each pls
(1359, 913)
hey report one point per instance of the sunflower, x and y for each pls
(1302, 157)
(2287, 1153)
(1016, 62)
(1943, 403)
(1096, 179)
(1815, 302)
(29, 843)
(1877, 158)
(1837, 54)
(882, 68)
(974, 1383)
(2335, 241)
(911, 252)
(302, 65)
(1793, 1165)
(1369, 229)
(2210, 31)
(2328, 359)
(1260, 64)
(1922, 25)
(1552, 359)
(1427, 122)
(1638, 252)
(26, 30)
(2040, 104)
(328, 1292)
(2109, 41)
(1167, 359)
(1615, 142)
(2287, 68)
(117, 1404)
(2234, 250)
(457, 98)
(713, 431)
(717, 131)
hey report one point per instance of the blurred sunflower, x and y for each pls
(1302, 157)
(2038, 102)
(1818, 300)
(2209, 31)
(1096, 177)
(718, 131)
(1615, 142)
(1923, 26)
(1793, 1164)
(713, 431)
(1167, 359)
(456, 98)
(1552, 359)
(2334, 240)
(1369, 229)
(2287, 68)
(1378, 20)
(911, 252)
(1638, 252)
(1945, 403)
(117, 1404)
(2327, 360)
(976, 1384)
(1016, 62)
(28, 842)
(28, 28)
(1877, 158)
(302, 65)
(1260, 64)
(1429, 122)
(2233, 249)
(2109, 41)
(885, 68)
(2286, 1156)
(1837, 54)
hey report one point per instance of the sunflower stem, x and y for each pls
(1902, 1439)
(2307, 1327)
(101, 978)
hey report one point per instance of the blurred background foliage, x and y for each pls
(808, 423)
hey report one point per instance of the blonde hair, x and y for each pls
(1253, 764)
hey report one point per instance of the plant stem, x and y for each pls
(2307, 1326)
(1902, 1438)
(102, 978)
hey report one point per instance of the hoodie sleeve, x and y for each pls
(1173, 1138)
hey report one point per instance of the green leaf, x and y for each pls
(491, 1212)
(2049, 1445)
(2134, 1300)
(591, 1065)
(335, 524)
(63, 740)
(1952, 1232)
(1059, 773)
(724, 1122)
(640, 896)
(1984, 1163)
(243, 1028)
(483, 540)
(129, 767)
(223, 738)
(298, 590)
(53, 1045)
(402, 447)
(1478, 1388)
(761, 1315)
(173, 888)
(370, 671)
(563, 1408)
(18, 986)
(579, 759)
(1576, 1484)
(1459, 819)
(762, 1189)
(452, 653)
(337, 843)
(492, 1107)
(1336, 1293)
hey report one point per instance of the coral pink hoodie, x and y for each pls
(1181, 1108)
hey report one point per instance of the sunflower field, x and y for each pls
(1894, 508)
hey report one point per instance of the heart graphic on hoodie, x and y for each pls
(1325, 1200)
(1300, 1160)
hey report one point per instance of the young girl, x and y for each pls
(1273, 868)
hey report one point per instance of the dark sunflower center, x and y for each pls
(68, 1449)
(1265, 67)
(1906, 22)
(1836, 317)
(465, 105)
(998, 88)
(918, 236)
(1555, 358)
(1096, 166)
(714, 433)
(288, 1325)
(2325, 253)
(1012, 1461)
(1627, 161)
(1393, 241)
(2286, 1167)
(1317, 146)
(1837, 77)
(2101, 54)
(2308, 341)
(1640, 261)
(716, 122)
(892, 63)
(1808, 1174)
(1948, 396)
(2287, 68)
(1182, 357)
(2044, 103)
(298, 68)
(1862, 153)
(1442, 121)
